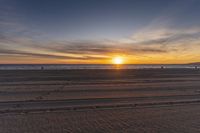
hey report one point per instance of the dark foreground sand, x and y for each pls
(140, 101)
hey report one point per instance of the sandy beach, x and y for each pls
(117, 100)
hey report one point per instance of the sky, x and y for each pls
(96, 31)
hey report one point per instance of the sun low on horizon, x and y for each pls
(118, 60)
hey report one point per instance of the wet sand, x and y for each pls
(146, 100)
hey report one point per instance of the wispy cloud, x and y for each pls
(159, 38)
(86, 49)
(157, 42)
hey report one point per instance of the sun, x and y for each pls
(118, 60)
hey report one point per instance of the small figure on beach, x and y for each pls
(196, 67)
(162, 67)
(42, 68)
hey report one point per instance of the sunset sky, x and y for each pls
(96, 31)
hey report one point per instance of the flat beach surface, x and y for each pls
(83, 101)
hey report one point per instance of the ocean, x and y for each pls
(88, 66)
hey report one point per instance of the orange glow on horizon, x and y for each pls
(118, 60)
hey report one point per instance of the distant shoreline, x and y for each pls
(197, 63)
(87, 66)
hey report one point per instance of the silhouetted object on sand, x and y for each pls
(162, 67)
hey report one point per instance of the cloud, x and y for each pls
(76, 49)
(167, 35)
(156, 38)
(43, 55)
(154, 41)
(159, 37)
(169, 40)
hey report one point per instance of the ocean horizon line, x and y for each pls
(91, 66)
